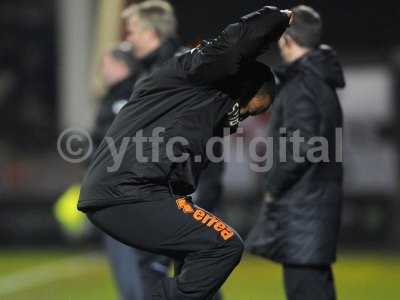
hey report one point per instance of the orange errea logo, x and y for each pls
(206, 218)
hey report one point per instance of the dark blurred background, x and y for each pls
(48, 50)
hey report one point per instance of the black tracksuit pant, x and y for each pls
(309, 282)
(155, 267)
(207, 248)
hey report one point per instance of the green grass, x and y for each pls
(54, 275)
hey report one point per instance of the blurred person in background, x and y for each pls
(119, 71)
(151, 29)
(300, 219)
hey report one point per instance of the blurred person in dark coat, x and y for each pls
(300, 219)
(151, 28)
(119, 71)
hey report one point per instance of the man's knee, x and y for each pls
(239, 246)
(234, 248)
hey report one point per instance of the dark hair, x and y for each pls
(306, 29)
(255, 78)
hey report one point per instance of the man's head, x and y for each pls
(259, 103)
(303, 35)
(257, 89)
(148, 25)
(117, 64)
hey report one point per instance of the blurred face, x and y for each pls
(113, 70)
(290, 50)
(143, 40)
(257, 105)
(285, 48)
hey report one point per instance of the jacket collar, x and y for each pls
(164, 52)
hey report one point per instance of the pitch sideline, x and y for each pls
(46, 273)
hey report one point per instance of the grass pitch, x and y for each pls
(60, 275)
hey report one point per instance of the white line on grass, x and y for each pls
(46, 273)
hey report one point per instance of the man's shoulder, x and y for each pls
(305, 87)
(296, 85)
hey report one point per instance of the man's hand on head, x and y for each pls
(290, 14)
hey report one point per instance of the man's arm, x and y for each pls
(220, 57)
(301, 122)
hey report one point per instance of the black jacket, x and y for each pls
(118, 94)
(110, 104)
(184, 99)
(300, 224)
(155, 59)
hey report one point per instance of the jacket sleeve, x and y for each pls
(220, 57)
(301, 122)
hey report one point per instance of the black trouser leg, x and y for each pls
(177, 269)
(309, 282)
(209, 249)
